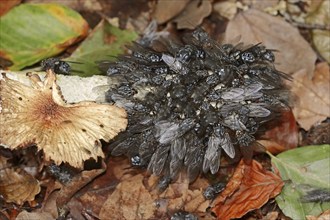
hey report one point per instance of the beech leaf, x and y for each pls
(136, 198)
(313, 104)
(321, 38)
(303, 169)
(104, 43)
(250, 187)
(173, 8)
(193, 14)
(32, 32)
(294, 52)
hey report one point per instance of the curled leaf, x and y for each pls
(250, 187)
(39, 115)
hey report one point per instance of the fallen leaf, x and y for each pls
(5, 6)
(313, 103)
(78, 182)
(227, 9)
(24, 215)
(134, 198)
(96, 193)
(250, 187)
(104, 43)
(16, 185)
(126, 8)
(271, 216)
(267, 6)
(193, 14)
(324, 216)
(300, 167)
(39, 115)
(321, 38)
(130, 200)
(283, 136)
(173, 8)
(318, 134)
(90, 5)
(272, 146)
(294, 53)
(67, 27)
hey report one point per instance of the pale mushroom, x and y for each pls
(39, 115)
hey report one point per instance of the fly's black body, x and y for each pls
(194, 102)
(57, 65)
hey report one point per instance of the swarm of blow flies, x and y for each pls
(194, 102)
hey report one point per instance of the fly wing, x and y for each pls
(232, 93)
(252, 88)
(212, 155)
(158, 159)
(178, 150)
(257, 111)
(166, 131)
(227, 145)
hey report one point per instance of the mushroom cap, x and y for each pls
(39, 115)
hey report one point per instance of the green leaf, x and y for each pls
(302, 169)
(32, 32)
(104, 43)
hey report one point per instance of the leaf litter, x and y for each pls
(16, 185)
(250, 187)
(119, 173)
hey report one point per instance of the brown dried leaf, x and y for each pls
(317, 135)
(39, 115)
(16, 185)
(166, 10)
(269, 6)
(250, 187)
(78, 182)
(130, 200)
(321, 38)
(24, 215)
(323, 216)
(294, 53)
(313, 103)
(283, 136)
(193, 14)
(134, 199)
(227, 9)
